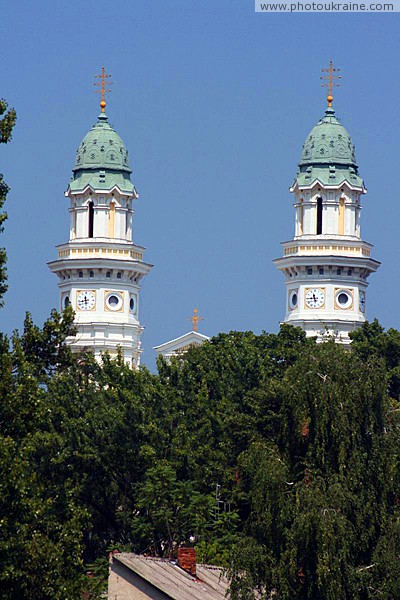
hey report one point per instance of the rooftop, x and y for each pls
(167, 577)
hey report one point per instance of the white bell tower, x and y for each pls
(326, 265)
(100, 269)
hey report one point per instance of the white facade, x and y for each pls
(100, 270)
(180, 345)
(326, 265)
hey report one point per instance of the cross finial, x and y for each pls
(195, 319)
(103, 90)
(330, 81)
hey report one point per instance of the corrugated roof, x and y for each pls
(168, 577)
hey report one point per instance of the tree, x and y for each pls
(372, 340)
(300, 440)
(320, 501)
(41, 520)
(7, 122)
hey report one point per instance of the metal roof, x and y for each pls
(168, 577)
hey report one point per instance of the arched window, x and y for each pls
(319, 216)
(341, 217)
(91, 219)
(73, 220)
(301, 216)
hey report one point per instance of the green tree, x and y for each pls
(301, 439)
(320, 501)
(41, 520)
(7, 122)
(372, 340)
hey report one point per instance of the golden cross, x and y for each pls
(330, 80)
(103, 90)
(195, 319)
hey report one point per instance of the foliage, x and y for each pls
(322, 497)
(41, 521)
(7, 122)
(274, 456)
(372, 340)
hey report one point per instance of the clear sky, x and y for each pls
(213, 102)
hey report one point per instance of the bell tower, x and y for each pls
(326, 265)
(100, 269)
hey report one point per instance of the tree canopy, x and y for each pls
(275, 457)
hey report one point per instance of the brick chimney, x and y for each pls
(112, 554)
(187, 560)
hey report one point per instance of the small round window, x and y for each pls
(344, 299)
(114, 301)
(293, 299)
(132, 304)
(66, 301)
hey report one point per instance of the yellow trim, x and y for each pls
(75, 223)
(301, 216)
(311, 249)
(348, 291)
(117, 293)
(111, 220)
(100, 251)
(341, 217)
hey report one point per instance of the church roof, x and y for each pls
(102, 160)
(328, 155)
(182, 342)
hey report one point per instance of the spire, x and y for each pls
(103, 89)
(328, 153)
(330, 81)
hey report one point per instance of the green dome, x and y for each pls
(102, 148)
(328, 154)
(101, 160)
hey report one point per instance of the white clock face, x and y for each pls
(362, 301)
(86, 300)
(315, 298)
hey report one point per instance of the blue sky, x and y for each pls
(213, 102)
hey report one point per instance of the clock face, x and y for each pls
(86, 300)
(315, 298)
(362, 301)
